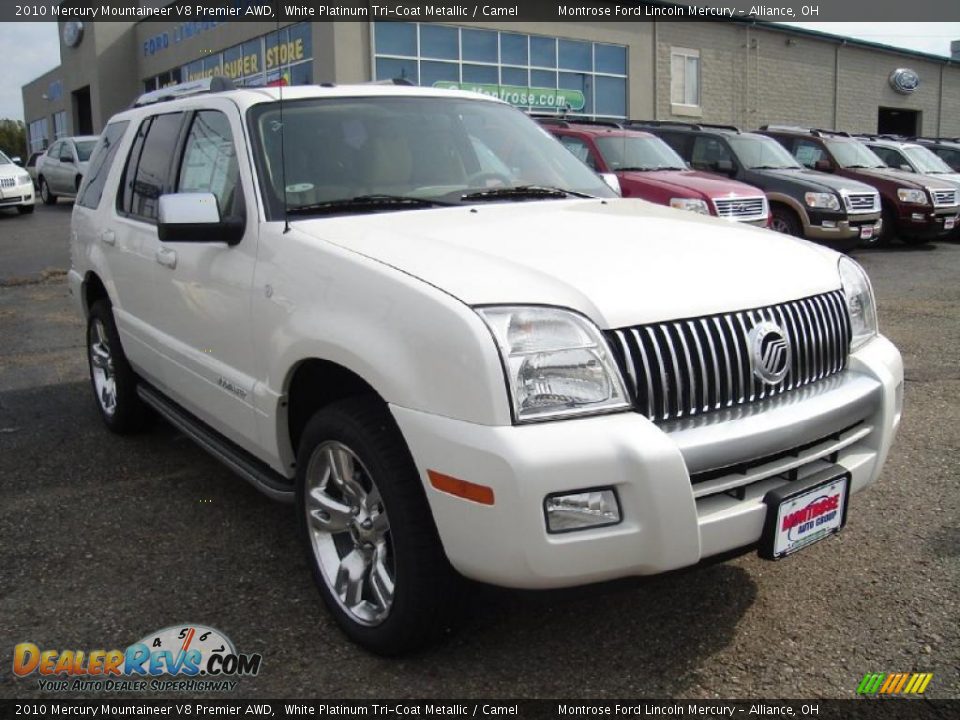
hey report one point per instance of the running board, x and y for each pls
(257, 473)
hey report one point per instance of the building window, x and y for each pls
(283, 56)
(685, 77)
(39, 139)
(59, 124)
(530, 71)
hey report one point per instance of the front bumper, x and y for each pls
(669, 521)
(926, 223)
(17, 195)
(840, 228)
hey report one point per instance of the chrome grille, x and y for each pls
(862, 202)
(8, 182)
(741, 208)
(944, 198)
(688, 367)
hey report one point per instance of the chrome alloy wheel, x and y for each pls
(349, 533)
(101, 367)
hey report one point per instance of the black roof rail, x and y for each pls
(823, 131)
(391, 81)
(215, 83)
(929, 138)
(567, 121)
(788, 128)
(682, 124)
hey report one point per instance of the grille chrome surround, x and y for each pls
(741, 209)
(688, 367)
(861, 202)
(943, 198)
(8, 182)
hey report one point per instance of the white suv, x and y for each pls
(455, 366)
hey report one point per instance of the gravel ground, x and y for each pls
(103, 539)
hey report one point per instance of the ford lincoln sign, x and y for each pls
(904, 80)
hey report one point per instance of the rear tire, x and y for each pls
(786, 221)
(48, 197)
(889, 231)
(367, 529)
(113, 380)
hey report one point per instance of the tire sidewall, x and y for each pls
(129, 414)
(788, 219)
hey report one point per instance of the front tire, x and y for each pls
(786, 221)
(367, 530)
(48, 197)
(113, 380)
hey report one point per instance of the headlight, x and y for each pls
(697, 206)
(557, 363)
(24, 179)
(860, 303)
(909, 195)
(824, 201)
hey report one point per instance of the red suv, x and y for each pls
(649, 169)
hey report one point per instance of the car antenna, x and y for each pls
(283, 152)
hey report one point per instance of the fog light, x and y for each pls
(831, 224)
(918, 217)
(581, 510)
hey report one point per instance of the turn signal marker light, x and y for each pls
(461, 488)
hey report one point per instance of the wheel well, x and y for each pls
(93, 290)
(780, 205)
(76, 182)
(314, 385)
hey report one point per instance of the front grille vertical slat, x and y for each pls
(689, 367)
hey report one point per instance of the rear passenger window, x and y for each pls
(147, 175)
(100, 163)
(210, 162)
(580, 149)
(680, 142)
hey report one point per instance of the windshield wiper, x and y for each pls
(773, 167)
(365, 203)
(649, 168)
(523, 192)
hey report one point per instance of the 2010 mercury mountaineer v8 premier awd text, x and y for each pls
(415, 315)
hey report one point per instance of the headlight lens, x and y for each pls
(24, 179)
(823, 201)
(910, 195)
(557, 363)
(860, 303)
(697, 206)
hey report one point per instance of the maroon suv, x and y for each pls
(917, 208)
(649, 169)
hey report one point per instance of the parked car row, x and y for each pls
(16, 188)
(55, 172)
(823, 185)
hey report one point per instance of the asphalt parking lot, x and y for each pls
(104, 539)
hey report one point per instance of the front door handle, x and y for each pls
(109, 237)
(167, 257)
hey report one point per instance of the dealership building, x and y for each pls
(732, 72)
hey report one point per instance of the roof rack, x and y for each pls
(567, 121)
(928, 138)
(392, 81)
(822, 132)
(216, 83)
(816, 132)
(681, 123)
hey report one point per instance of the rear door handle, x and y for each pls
(167, 257)
(109, 237)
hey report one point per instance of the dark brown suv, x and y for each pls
(917, 208)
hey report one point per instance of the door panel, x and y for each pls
(203, 289)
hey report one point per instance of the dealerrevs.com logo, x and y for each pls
(188, 658)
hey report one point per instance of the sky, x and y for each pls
(38, 49)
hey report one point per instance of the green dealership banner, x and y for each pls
(534, 97)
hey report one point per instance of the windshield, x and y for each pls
(638, 153)
(926, 161)
(84, 148)
(4, 160)
(440, 150)
(853, 154)
(759, 153)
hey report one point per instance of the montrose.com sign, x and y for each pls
(533, 97)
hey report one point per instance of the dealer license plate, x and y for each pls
(866, 232)
(804, 512)
(949, 223)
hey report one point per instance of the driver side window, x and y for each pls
(210, 163)
(708, 152)
(580, 150)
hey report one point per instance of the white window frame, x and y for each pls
(685, 108)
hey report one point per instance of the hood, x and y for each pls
(620, 262)
(908, 179)
(8, 170)
(952, 178)
(686, 183)
(821, 181)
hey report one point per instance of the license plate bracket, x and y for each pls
(949, 223)
(866, 232)
(804, 512)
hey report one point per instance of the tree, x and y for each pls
(13, 138)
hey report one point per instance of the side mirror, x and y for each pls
(17, 160)
(724, 166)
(905, 167)
(613, 181)
(195, 217)
(823, 165)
